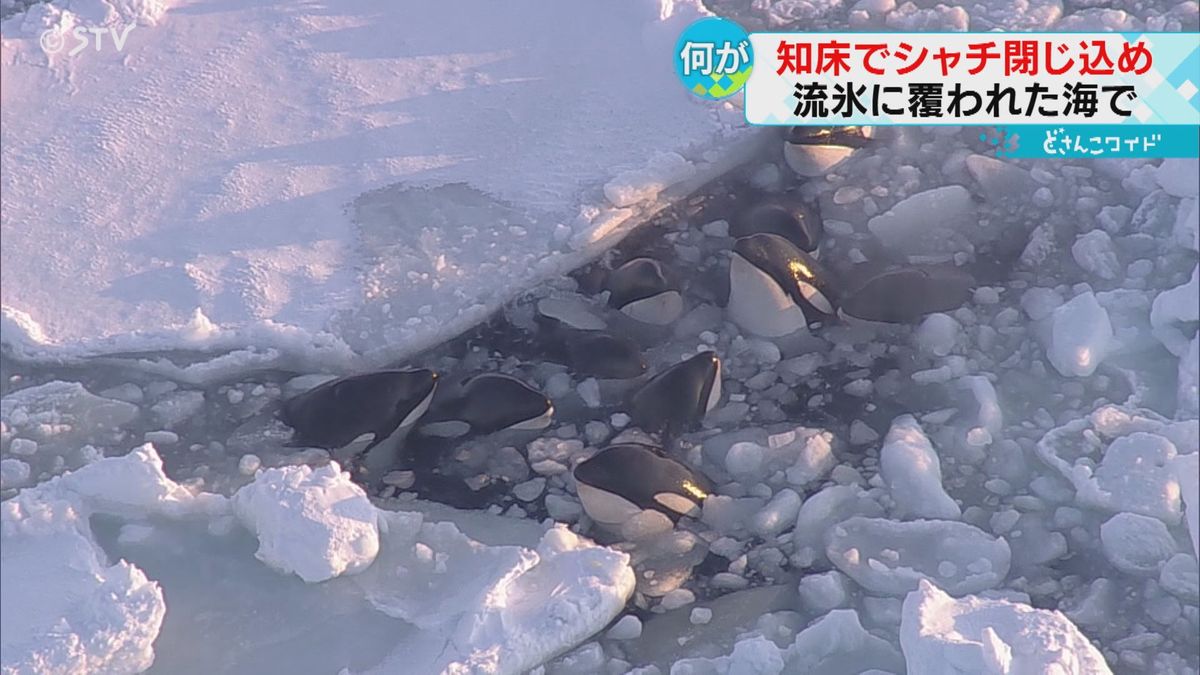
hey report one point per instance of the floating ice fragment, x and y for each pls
(912, 471)
(1179, 177)
(1136, 544)
(313, 522)
(1187, 472)
(910, 228)
(937, 334)
(778, 515)
(890, 557)
(1095, 253)
(1134, 468)
(941, 635)
(1174, 314)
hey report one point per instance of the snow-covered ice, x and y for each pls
(313, 522)
(66, 608)
(779, 514)
(1133, 471)
(1136, 544)
(498, 608)
(59, 416)
(890, 557)
(944, 635)
(913, 473)
(1081, 336)
(354, 180)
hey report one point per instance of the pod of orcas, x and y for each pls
(777, 286)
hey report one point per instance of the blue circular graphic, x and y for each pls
(713, 58)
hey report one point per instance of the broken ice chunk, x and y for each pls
(1095, 253)
(889, 557)
(14, 474)
(941, 635)
(1134, 472)
(989, 415)
(778, 515)
(1187, 472)
(313, 522)
(937, 334)
(65, 609)
(912, 471)
(820, 512)
(1189, 382)
(837, 643)
(999, 180)
(641, 185)
(62, 416)
(1174, 314)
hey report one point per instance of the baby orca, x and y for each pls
(814, 151)
(908, 293)
(622, 480)
(336, 413)
(674, 400)
(641, 290)
(488, 403)
(786, 216)
(775, 288)
(605, 356)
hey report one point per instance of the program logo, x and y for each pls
(713, 58)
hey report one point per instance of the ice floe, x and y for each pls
(944, 635)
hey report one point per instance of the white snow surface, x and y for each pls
(913, 473)
(330, 185)
(1120, 459)
(313, 522)
(433, 600)
(941, 635)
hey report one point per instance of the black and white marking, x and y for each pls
(785, 215)
(623, 480)
(642, 290)
(674, 400)
(337, 413)
(489, 403)
(775, 289)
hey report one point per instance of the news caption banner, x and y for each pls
(1033, 94)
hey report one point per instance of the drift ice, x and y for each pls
(336, 413)
(622, 480)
